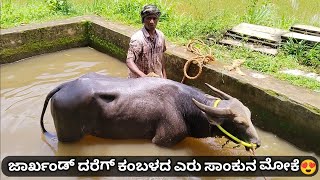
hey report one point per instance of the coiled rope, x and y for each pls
(199, 59)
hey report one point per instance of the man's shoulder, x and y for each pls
(137, 35)
(160, 33)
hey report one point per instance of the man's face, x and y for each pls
(150, 22)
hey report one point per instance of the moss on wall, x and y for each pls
(107, 47)
(11, 54)
(30, 42)
(24, 42)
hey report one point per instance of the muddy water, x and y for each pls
(24, 86)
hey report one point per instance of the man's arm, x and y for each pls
(134, 68)
(164, 73)
(164, 62)
(133, 52)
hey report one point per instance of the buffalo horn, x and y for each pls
(223, 95)
(219, 112)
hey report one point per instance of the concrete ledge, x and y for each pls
(25, 41)
(290, 112)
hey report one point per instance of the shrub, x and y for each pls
(306, 54)
(59, 6)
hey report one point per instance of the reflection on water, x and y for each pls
(24, 86)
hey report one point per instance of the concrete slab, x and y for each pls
(255, 37)
(259, 32)
(306, 29)
(301, 37)
(252, 46)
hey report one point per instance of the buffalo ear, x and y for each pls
(215, 116)
(215, 120)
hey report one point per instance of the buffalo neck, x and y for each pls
(199, 126)
(196, 120)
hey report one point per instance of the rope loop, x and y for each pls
(199, 59)
(187, 65)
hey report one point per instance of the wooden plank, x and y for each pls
(305, 32)
(252, 39)
(260, 32)
(307, 28)
(258, 35)
(262, 49)
(300, 37)
(260, 28)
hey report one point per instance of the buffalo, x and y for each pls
(161, 110)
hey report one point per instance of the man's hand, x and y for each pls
(152, 74)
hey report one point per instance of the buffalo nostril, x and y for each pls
(258, 144)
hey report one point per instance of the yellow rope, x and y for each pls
(249, 145)
(199, 59)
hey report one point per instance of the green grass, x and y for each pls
(183, 20)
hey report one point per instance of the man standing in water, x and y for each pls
(147, 46)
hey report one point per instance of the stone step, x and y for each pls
(252, 46)
(266, 39)
(251, 39)
(300, 37)
(305, 29)
(262, 33)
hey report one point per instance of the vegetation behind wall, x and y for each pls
(185, 20)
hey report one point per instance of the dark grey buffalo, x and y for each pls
(151, 108)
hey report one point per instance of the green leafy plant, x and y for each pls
(182, 20)
(129, 10)
(313, 57)
(306, 54)
(259, 14)
(98, 6)
(59, 6)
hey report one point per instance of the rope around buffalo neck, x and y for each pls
(215, 104)
(251, 146)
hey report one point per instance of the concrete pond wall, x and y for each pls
(291, 112)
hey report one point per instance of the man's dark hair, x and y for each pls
(149, 10)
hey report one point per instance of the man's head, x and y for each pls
(150, 15)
